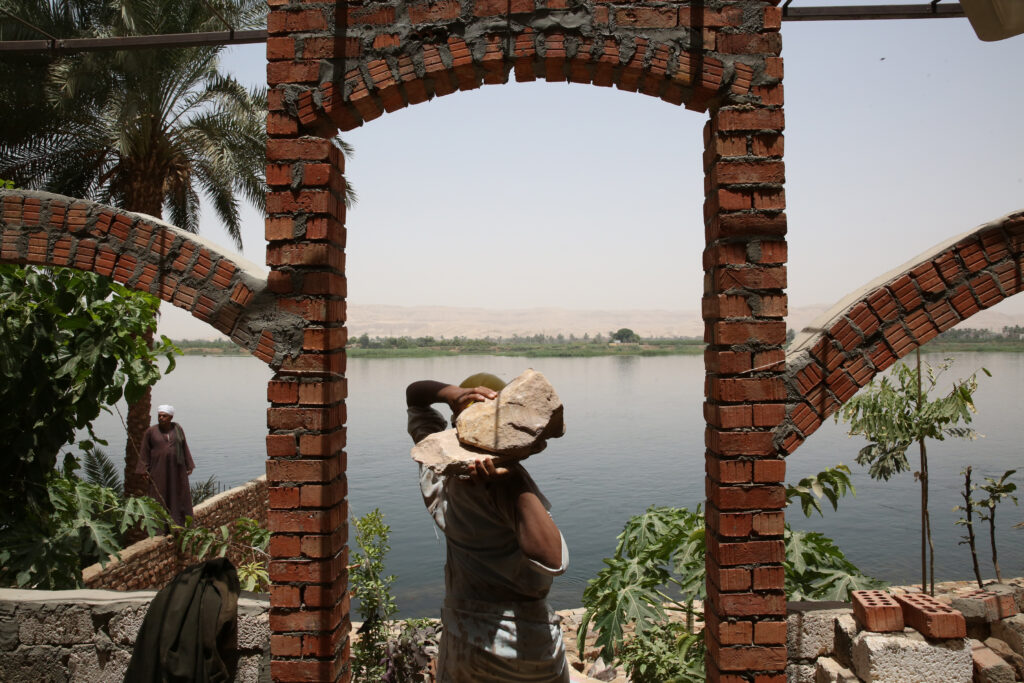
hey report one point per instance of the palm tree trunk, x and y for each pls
(136, 425)
(145, 196)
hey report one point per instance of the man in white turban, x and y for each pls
(166, 461)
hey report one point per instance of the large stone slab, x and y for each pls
(55, 625)
(846, 631)
(829, 670)
(910, 658)
(1009, 656)
(526, 411)
(810, 632)
(989, 667)
(800, 673)
(1011, 631)
(443, 453)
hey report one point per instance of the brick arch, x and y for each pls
(396, 53)
(337, 65)
(871, 329)
(144, 253)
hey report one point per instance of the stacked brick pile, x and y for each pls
(959, 636)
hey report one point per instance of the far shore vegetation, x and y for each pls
(624, 342)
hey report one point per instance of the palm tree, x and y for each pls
(140, 129)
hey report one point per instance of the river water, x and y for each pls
(634, 438)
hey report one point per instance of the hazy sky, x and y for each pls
(899, 134)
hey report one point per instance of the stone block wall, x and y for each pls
(153, 562)
(87, 636)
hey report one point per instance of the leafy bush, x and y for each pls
(664, 653)
(631, 589)
(407, 654)
(373, 591)
(245, 539)
(658, 569)
(82, 525)
(98, 468)
(385, 651)
(201, 490)
(816, 568)
(896, 412)
(73, 344)
(832, 483)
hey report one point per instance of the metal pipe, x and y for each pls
(931, 10)
(136, 42)
(863, 12)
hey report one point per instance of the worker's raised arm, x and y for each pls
(427, 392)
(537, 534)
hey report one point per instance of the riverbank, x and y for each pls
(672, 347)
(479, 347)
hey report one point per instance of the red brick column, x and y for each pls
(305, 230)
(744, 310)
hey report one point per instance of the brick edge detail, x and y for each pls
(141, 252)
(891, 317)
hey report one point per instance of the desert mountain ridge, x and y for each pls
(476, 323)
(452, 321)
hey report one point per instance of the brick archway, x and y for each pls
(334, 66)
(384, 56)
(902, 310)
(213, 285)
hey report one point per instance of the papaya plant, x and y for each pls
(657, 570)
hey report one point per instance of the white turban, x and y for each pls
(166, 409)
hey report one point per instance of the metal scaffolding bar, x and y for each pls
(136, 42)
(929, 10)
(932, 10)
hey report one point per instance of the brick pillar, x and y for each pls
(744, 310)
(305, 231)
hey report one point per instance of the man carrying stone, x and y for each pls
(166, 461)
(503, 547)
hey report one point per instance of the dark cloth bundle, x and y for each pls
(190, 632)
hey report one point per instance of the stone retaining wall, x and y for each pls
(87, 636)
(153, 562)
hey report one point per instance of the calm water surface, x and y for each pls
(634, 439)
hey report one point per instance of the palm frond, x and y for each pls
(98, 469)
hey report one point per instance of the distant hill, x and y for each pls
(452, 321)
